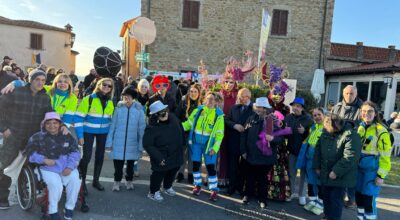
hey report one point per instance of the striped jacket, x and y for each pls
(95, 120)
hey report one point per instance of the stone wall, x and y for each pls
(230, 27)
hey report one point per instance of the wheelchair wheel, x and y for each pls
(26, 188)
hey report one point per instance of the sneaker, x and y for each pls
(115, 187)
(179, 177)
(156, 196)
(68, 214)
(4, 205)
(196, 190)
(350, 205)
(262, 205)
(56, 216)
(214, 196)
(129, 185)
(302, 200)
(317, 210)
(309, 205)
(294, 195)
(245, 200)
(289, 199)
(170, 192)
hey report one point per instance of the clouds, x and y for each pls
(28, 5)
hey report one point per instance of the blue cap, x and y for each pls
(298, 100)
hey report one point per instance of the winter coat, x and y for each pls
(248, 142)
(164, 141)
(61, 148)
(167, 100)
(236, 116)
(295, 140)
(181, 109)
(340, 153)
(126, 132)
(349, 112)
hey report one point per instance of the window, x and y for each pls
(378, 94)
(362, 90)
(279, 22)
(36, 41)
(333, 88)
(190, 15)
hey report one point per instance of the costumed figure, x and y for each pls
(234, 71)
(278, 177)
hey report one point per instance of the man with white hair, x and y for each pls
(349, 110)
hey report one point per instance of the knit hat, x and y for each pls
(131, 91)
(35, 73)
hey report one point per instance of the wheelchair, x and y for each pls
(31, 190)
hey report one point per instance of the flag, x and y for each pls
(36, 59)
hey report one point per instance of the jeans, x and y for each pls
(333, 201)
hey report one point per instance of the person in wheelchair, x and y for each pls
(57, 156)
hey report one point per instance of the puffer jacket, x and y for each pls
(338, 152)
(126, 132)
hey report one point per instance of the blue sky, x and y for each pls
(98, 22)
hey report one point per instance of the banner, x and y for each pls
(36, 59)
(265, 27)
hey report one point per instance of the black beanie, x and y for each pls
(131, 91)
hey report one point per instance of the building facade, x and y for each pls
(212, 30)
(130, 46)
(22, 39)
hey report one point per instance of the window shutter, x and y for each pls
(194, 12)
(186, 14)
(279, 22)
(39, 41)
(283, 23)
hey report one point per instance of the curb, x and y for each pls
(391, 186)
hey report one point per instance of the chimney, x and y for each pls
(68, 27)
(360, 50)
(392, 53)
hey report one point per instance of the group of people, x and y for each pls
(253, 148)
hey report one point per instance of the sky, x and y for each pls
(97, 23)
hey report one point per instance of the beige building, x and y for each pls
(212, 30)
(20, 39)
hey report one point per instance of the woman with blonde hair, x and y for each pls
(93, 120)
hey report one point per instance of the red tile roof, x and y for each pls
(32, 24)
(369, 53)
(370, 68)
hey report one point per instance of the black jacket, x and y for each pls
(181, 109)
(295, 140)
(164, 141)
(235, 116)
(167, 100)
(5, 79)
(248, 142)
(88, 80)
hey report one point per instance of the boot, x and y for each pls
(96, 175)
(190, 178)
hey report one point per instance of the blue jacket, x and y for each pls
(126, 132)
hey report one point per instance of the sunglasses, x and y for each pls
(230, 82)
(158, 86)
(162, 113)
(107, 85)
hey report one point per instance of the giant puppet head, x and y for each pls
(106, 62)
(236, 70)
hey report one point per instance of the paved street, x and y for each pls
(134, 204)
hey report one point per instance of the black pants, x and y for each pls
(87, 154)
(257, 174)
(119, 170)
(365, 201)
(312, 191)
(236, 171)
(167, 177)
(333, 201)
(5, 183)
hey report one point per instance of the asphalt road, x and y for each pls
(135, 205)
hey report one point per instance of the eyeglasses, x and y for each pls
(230, 82)
(368, 111)
(158, 86)
(162, 113)
(107, 85)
